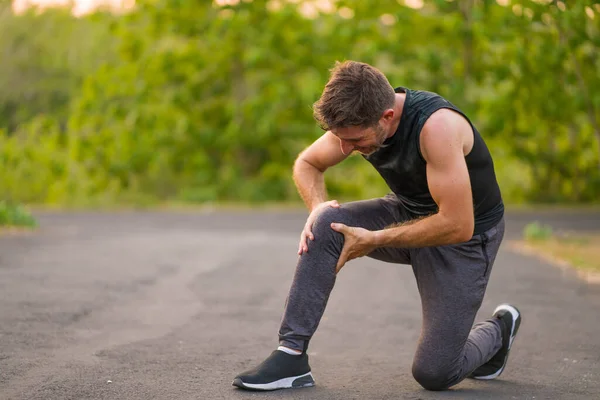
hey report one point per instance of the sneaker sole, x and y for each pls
(300, 381)
(516, 316)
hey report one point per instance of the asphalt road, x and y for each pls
(174, 305)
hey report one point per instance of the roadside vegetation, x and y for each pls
(210, 102)
(14, 215)
(580, 250)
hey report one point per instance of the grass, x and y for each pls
(14, 215)
(581, 250)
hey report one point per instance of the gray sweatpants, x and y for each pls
(451, 281)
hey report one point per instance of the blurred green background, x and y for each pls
(210, 102)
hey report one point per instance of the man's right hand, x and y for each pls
(307, 231)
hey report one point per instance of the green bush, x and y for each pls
(537, 231)
(15, 215)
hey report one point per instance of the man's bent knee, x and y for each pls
(322, 224)
(432, 377)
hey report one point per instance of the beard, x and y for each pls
(380, 136)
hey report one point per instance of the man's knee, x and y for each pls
(322, 225)
(433, 377)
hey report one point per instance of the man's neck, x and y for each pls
(398, 108)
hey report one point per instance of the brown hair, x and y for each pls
(355, 95)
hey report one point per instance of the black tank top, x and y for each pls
(402, 165)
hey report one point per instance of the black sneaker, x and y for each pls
(279, 371)
(510, 319)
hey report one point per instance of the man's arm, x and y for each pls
(310, 166)
(309, 170)
(449, 184)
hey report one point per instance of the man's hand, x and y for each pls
(358, 242)
(307, 231)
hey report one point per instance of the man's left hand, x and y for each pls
(358, 242)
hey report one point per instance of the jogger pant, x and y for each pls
(451, 280)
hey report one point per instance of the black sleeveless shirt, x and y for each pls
(402, 166)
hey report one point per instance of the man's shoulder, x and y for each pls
(443, 117)
(444, 123)
(438, 123)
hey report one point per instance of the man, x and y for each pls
(444, 216)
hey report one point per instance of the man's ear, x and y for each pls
(388, 115)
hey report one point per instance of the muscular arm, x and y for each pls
(310, 166)
(442, 147)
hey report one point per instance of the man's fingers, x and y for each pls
(307, 231)
(341, 262)
(305, 238)
(338, 227)
(344, 255)
(302, 247)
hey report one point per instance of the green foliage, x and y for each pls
(189, 101)
(553, 123)
(537, 231)
(45, 59)
(15, 215)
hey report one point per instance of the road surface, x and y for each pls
(150, 305)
